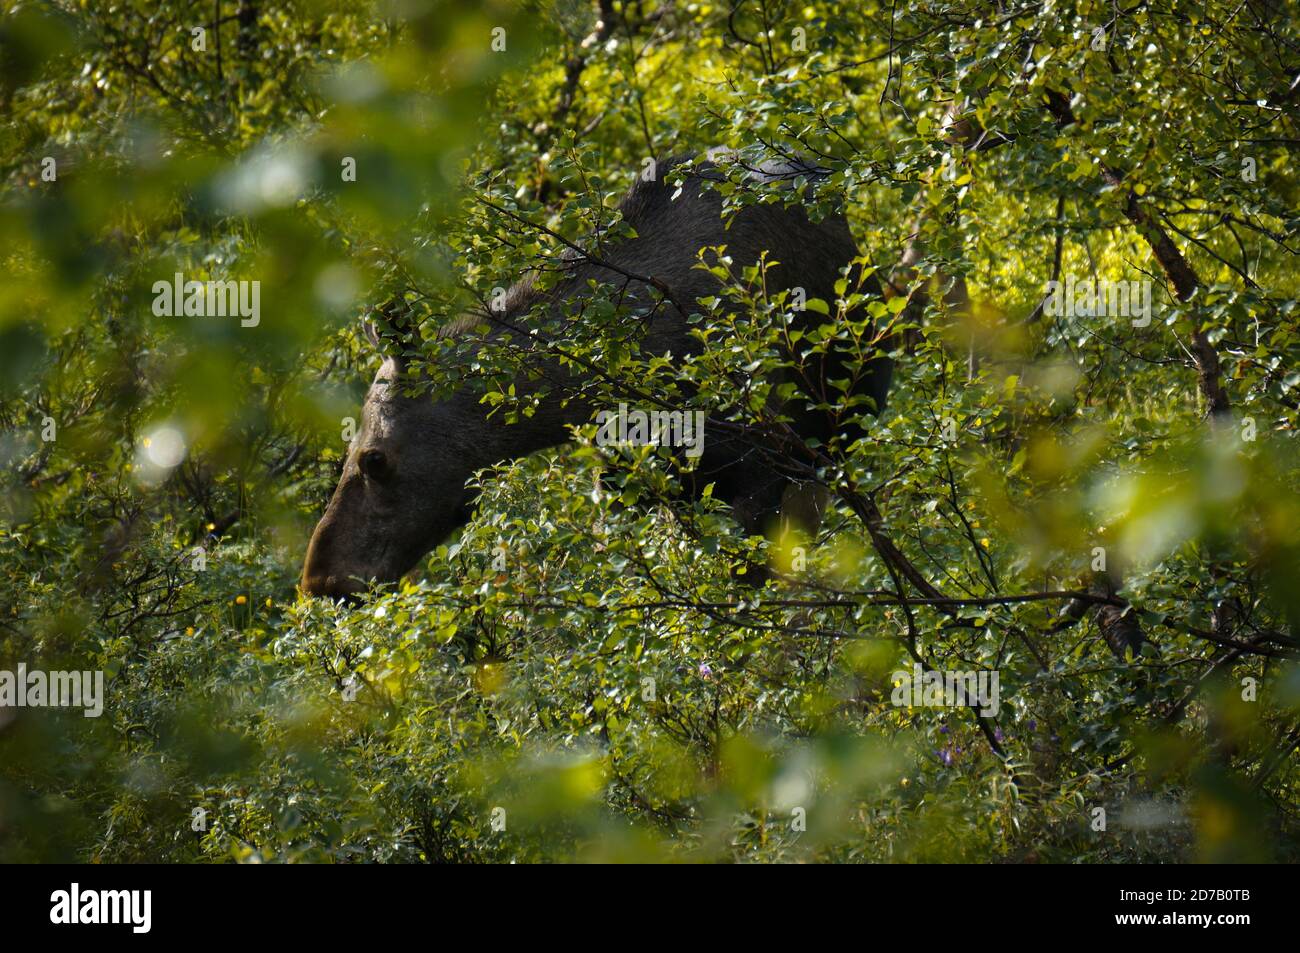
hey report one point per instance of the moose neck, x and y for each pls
(470, 433)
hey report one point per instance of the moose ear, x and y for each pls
(389, 326)
(384, 338)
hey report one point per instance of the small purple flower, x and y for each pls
(705, 671)
(943, 729)
(1033, 725)
(946, 757)
(997, 734)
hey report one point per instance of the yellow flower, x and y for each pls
(189, 630)
(240, 600)
(268, 602)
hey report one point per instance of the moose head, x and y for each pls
(403, 488)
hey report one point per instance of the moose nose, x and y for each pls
(330, 586)
(319, 578)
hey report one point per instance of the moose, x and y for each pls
(403, 488)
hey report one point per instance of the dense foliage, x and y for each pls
(1105, 513)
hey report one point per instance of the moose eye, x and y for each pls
(374, 465)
